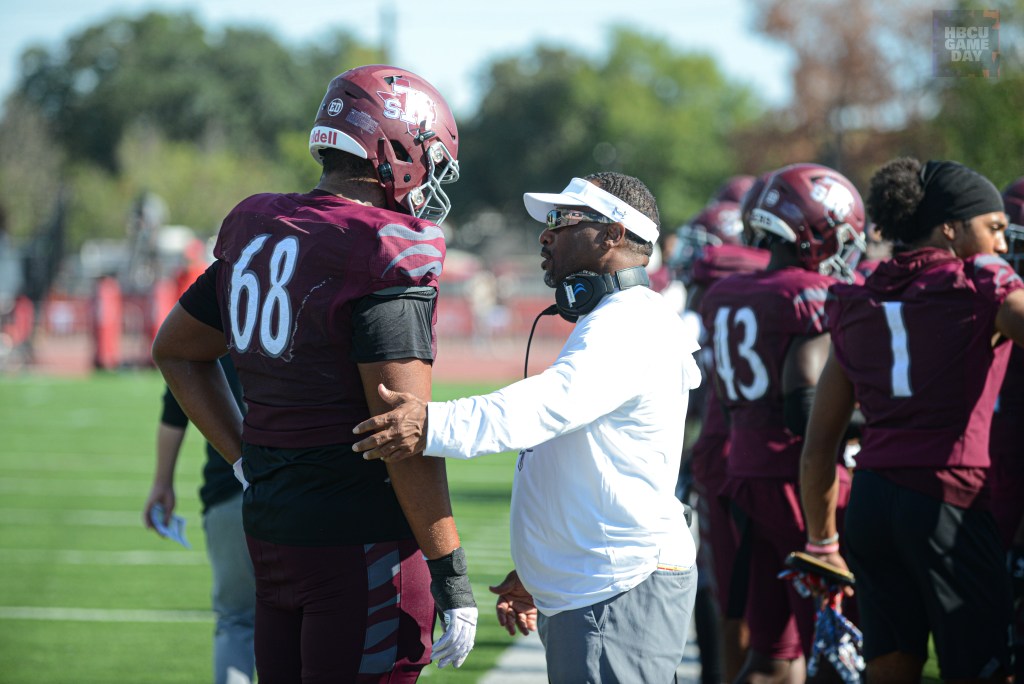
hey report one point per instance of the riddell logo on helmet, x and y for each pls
(323, 136)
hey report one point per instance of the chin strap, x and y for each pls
(386, 174)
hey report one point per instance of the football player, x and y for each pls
(769, 344)
(1007, 436)
(319, 297)
(718, 259)
(922, 347)
(734, 189)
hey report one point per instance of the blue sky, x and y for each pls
(449, 45)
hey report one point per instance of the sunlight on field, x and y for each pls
(81, 580)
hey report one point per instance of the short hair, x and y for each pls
(633, 192)
(346, 164)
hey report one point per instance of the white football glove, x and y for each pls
(239, 475)
(459, 636)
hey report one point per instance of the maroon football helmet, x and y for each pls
(718, 223)
(733, 189)
(1013, 204)
(401, 124)
(817, 209)
(752, 237)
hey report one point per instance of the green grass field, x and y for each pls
(88, 595)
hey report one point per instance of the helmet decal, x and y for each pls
(835, 197)
(411, 106)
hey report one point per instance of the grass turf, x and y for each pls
(88, 595)
(76, 462)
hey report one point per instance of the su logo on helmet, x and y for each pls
(835, 197)
(409, 105)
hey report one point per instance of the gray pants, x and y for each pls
(234, 591)
(637, 636)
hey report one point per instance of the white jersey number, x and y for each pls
(727, 325)
(900, 349)
(274, 316)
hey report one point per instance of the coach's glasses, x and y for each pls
(561, 218)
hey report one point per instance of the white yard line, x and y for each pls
(75, 557)
(102, 615)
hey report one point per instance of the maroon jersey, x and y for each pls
(916, 342)
(294, 266)
(752, 320)
(720, 261)
(710, 449)
(1005, 447)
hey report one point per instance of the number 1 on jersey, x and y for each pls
(900, 349)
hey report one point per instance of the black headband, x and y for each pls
(953, 192)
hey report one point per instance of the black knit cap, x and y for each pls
(953, 192)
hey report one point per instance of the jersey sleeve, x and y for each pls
(993, 277)
(200, 299)
(408, 255)
(809, 311)
(394, 324)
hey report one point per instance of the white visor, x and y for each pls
(582, 193)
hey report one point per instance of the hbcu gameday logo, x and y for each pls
(409, 105)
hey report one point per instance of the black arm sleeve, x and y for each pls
(857, 421)
(200, 299)
(394, 324)
(172, 414)
(796, 409)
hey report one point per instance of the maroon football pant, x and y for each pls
(341, 613)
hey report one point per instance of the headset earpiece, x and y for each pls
(579, 293)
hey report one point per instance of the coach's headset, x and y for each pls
(579, 293)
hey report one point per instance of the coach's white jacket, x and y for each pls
(600, 435)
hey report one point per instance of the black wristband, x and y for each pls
(449, 583)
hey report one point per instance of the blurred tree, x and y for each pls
(30, 167)
(241, 87)
(157, 103)
(860, 73)
(643, 109)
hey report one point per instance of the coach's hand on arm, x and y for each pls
(515, 606)
(398, 433)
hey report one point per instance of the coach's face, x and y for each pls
(570, 248)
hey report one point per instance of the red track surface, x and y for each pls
(457, 360)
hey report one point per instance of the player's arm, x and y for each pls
(168, 445)
(421, 484)
(1010, 317)
(186, 352)
(800, 371)
(819, 487)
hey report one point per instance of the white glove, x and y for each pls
(459, 636)
(239, 475)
